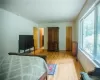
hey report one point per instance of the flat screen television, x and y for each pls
(25, 42)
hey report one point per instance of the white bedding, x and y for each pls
(22, 68)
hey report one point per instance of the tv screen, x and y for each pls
(25, 41)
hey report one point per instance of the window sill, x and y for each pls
(87, 55)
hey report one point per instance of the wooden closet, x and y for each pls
(53, 39)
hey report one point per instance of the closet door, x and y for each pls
(50, 38)
(35, 33)
(68, 38)
(56, 39)
(53, 39)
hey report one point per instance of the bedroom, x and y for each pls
(17, 19)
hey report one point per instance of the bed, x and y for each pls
(14, 67)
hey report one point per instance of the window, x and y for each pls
(98, 35)
(90, 34)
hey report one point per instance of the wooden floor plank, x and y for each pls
(68, 67)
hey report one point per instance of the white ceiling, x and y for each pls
(44, 10)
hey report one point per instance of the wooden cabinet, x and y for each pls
(53, 39)
(74, 48)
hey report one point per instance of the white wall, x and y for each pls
(86, 63)
(62, 33)
(11, 26)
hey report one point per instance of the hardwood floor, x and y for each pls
(68, 67)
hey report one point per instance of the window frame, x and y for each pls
(97, 61)
(81, 21)
(81, 36)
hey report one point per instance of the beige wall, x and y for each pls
(62, 33)
(87, 64)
